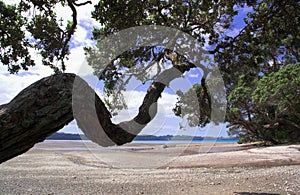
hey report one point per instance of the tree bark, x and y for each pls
(35, 113)
(93, 118)
(49, 104)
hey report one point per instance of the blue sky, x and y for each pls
(165, 123)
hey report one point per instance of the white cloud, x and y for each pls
(194, 75)
(77, 63)
(12, 2)
(134, 100)
(233, 32)
(80, 37)
(11, 85)
(71, 128)
(180, 84)
(163, 123)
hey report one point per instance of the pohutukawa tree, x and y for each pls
(261, 72)
(253, 62)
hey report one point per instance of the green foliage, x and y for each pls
(47, 38)
(197, 18)
(260, 65)
(33, 25)
(193, 104)
(14, 46)
(259, 68)
(248, 61)
(280, 88)
(194, 17)
(245, 138)
(277, 100)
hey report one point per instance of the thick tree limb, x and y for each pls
(35, 113)
(46, 106)
(96, 123)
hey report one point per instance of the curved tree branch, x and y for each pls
(46, 106)
(94, 118)
(69, 32)
(81, 4)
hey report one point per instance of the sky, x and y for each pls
(165, 123)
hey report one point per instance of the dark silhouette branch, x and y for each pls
(49, 104)
(94, 119)
(69, 32)
(81, 4)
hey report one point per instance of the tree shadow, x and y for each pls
(251, 193)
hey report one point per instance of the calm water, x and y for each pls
(184, 141)
(83, 145)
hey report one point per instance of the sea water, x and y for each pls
(185, 141)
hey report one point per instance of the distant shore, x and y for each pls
(81, 167)
(211, 154)
(149, 138)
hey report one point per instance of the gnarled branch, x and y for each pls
(49, 104)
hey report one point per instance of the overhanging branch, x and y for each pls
(81, 4)
(71, 30)
(47, 105)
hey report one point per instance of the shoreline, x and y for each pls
(131, 169)
(174, 155)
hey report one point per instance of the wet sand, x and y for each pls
(74, 167)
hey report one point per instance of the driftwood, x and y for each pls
(49, 104)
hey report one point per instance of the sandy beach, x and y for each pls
(76, 167)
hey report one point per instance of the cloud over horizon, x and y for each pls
(164, 123)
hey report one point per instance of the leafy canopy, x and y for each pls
(267, 44)
(197, 18)
(33, 25)
(259, 65)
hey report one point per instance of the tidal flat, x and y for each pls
(82, 167)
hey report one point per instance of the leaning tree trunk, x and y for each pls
(49, 104)
(35, 113)
(46, 106)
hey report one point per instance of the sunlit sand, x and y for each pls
(76, 167)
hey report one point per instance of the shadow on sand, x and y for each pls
(250, 193)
